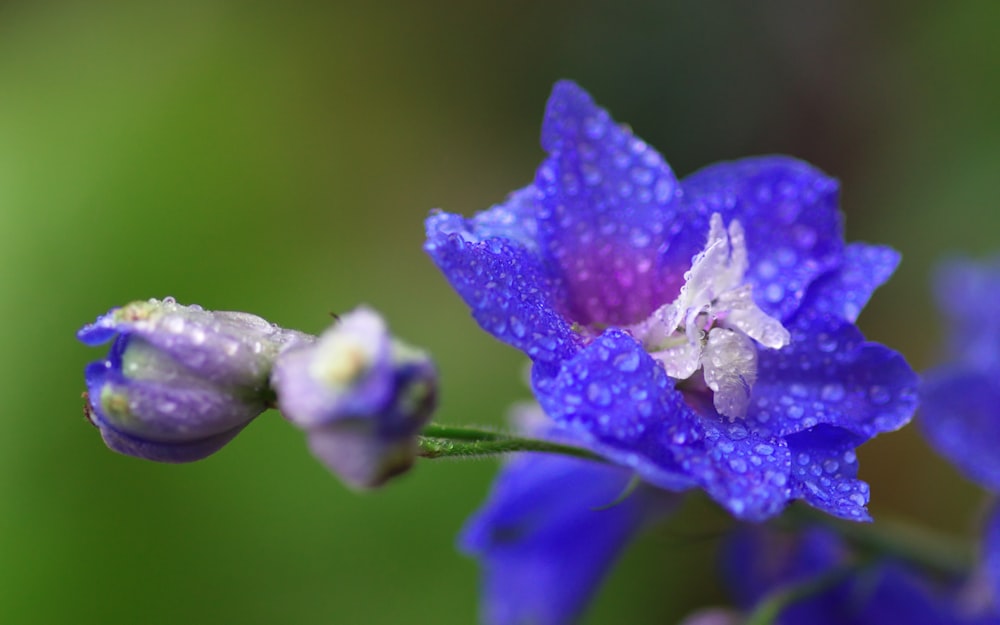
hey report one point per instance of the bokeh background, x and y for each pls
(279, 158)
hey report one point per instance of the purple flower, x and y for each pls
(699, 332)
(960, 399)
(361, 396)
(758, 562)
(179, 381)
(550, 530)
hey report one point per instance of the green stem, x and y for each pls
(903, 541)
(770, 607)
(463, 432)
(444, 448)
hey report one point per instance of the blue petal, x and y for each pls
(511, 294)
(546, 538)
(624, 407)
(188, 451)
(172, 412)
(825, 470)
(968, 292)
(845, 291)
(607, 209)
(745, 473)
(621, 404)
(759, 563)
(960, 416)
(789, 210)
(829, 374)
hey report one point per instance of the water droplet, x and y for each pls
(831, 466)
(598, 394)
(764, 449)
(738, 464)
(664, 190)
(767, 269)
(774, 292)
(640, 238)
(795, 411)
(517, 327)
(826, 343)
(593, 127)
(642, 176)
(832, 392)
(858, 499)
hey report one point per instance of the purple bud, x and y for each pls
(361, 396)
(179, 381)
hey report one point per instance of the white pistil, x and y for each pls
(713, 323)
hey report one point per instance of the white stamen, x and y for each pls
(714, 322)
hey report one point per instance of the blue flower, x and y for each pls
(698, 332)
(551, 529)
(960, 399)
(758, 562)
(179, 381)
(361, 396)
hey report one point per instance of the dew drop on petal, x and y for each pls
(832, 392)
(598, 394)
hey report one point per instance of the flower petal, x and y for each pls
(960, 416)
(187, 451)
(608, 206)
(760, 563)
(547, 536)
(166, 412)
(829, 374)
(745, 473)
(845, 291)
(967, 292)
(511, 295)
(825, 470)
(622, 405)
(794, 230)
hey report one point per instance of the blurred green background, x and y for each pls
(279, 158)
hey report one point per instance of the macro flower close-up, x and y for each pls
(699, 332)
(179, 381)
(840, 586)
(960, 398)
(361, 395)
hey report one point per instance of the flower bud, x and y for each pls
(179, 381)
(361, 396)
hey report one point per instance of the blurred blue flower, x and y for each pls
(361, 395)
(757, 562)
(179, 381)
(960, 399)
(698, 332)
(551, 529)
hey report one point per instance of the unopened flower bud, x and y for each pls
(361, 396)
(179, 381)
